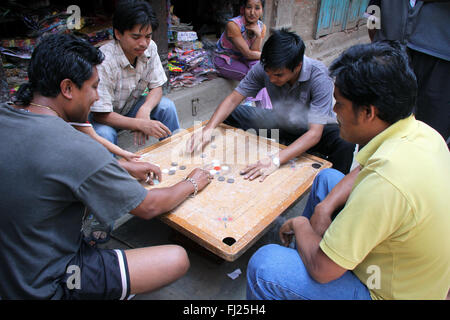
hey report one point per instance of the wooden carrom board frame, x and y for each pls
(228, 218)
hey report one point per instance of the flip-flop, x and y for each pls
(99, 234)
(96, 233)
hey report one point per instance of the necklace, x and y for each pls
(41, 106)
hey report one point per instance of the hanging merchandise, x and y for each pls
(35, 22)
(189, 63)
(189, 68)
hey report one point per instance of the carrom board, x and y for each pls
(227, 218)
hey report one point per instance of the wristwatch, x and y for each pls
(276, 161)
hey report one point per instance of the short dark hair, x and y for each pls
(377, 74)
(58, 57)
(130, 13)
(283, 49)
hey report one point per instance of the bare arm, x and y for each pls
(154, 128)
(265, 167)
(257, 44)
(320, 267)
(89, 131)
(338, 196)
(200, 139)
(162, 200)
(107, 144)
(152, 100)
(141, 170)
(147, 126)
(235, 35)
(225, 109)
(116, 120)
(308, 140)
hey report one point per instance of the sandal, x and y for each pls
(96, 233)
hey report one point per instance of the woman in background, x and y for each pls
(239, 47)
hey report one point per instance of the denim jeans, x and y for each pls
(278, 273)
(165, 112)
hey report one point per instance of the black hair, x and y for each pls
(243, 3)
(377, 74)
(130, 13)
(58, 57)
(283, 49)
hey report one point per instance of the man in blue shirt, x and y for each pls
(301, 92)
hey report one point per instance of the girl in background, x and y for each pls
(239, 47)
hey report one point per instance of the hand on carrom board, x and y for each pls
(202, 177)
(263, 168)
(198, 140)
(144, 171)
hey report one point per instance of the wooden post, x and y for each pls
(160, 35)
(4, 90)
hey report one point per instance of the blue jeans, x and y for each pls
(165, 112)
(278, 273)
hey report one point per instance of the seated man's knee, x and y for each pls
(178, 260)
(166, 105)
(261, 260)
(328, 177)
(166, 112)
(265, 272)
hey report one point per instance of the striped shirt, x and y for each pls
(121, 84)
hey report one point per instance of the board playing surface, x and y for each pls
(231, 213)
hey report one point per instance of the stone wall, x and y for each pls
(305, 18)
(297, 15)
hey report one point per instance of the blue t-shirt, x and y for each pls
(50, 173)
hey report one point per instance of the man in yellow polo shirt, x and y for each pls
(391, 239)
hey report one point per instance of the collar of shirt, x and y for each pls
(305, 73)
(399, 129)
(123, 60)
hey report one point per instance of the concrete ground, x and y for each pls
(207, 278)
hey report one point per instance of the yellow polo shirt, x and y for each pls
(394, 231)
